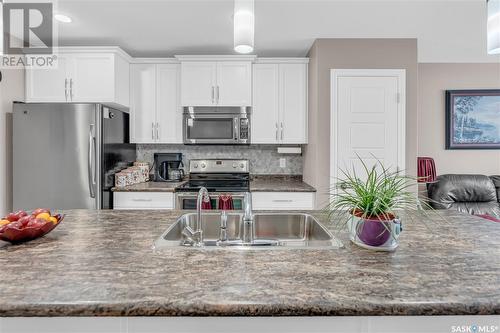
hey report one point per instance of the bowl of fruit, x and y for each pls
(21, 227)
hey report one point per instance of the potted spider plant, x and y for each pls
(368, 205)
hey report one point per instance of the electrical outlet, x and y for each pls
(282, 162)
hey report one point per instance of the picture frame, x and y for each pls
(473, 119)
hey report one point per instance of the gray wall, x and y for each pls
(264, 159)
(434, 79)
(327, 54)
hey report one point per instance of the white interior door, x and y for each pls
(368, 120)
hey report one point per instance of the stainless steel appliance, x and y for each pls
(216, 125)
(218, 177)
(168, 167)
(65, 155)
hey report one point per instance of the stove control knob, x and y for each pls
(242, 165)
(195, 165)
(203, 165)
(235, 165)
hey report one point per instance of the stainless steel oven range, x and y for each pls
(219, 177)
(216, 125)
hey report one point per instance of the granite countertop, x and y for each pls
(258, 183)
(149, 187)
(101, 263)
(279, 183)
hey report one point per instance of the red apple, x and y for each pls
(16, 216)
(40, 211)
(15, 224)
(25, 220)
(36, 223)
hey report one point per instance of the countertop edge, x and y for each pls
(150, 309)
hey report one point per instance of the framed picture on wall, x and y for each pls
(473, 119)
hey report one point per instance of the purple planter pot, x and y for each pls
(374, 232)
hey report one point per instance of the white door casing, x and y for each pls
(367, 119)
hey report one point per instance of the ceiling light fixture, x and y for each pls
(493, 26)
(244, 25)
(63, 18)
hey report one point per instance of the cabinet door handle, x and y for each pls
(71, 89)
(213, 95)
(217, 94)
(282, 200)
(66, 89)
(153, 131)
(142, 200)
(276, 131)
(157, 131)
(282, 131)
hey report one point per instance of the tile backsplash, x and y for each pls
(264, 159)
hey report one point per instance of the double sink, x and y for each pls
(270, 230)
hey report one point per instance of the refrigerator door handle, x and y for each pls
(91, 171)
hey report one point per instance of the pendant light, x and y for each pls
(493, 26)
(244, 25)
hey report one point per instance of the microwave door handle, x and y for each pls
(236, 130)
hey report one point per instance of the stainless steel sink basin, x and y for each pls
(286, 230)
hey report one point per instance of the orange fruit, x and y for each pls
(53, 219)
(45, 216)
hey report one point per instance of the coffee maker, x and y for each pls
(168, 167)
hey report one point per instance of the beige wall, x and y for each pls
(11, 89)
(326, 54)
(434, 79)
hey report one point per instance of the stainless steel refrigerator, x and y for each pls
(65, 155)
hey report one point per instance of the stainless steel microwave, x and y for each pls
(216, 125)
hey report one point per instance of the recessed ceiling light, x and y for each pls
(63, 18)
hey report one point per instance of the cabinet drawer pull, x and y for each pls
(142, 200)
(282, 200)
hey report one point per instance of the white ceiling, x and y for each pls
(447, 30)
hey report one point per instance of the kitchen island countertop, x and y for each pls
(101, 263)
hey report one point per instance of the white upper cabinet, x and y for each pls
(142, 103)
(198, 83)
(209, 81)
(293, 103)
(82, 75)
(279, 114)
(265, 110)
(234, 83)
(168, 109)
(156, 115)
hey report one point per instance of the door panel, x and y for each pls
(142, 103)
(293, 103)
(48, 85)
(93, 78)
(51, 155)
(367, 122)
(265, 109)
(198, 80)
(168, 110)
(234, 83)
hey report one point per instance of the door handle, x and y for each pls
(276, 124)
(213, 95)
(66, 89)
(91, 172)
(217, 95)
(153, 131)
(71, 89)
(282, 131)
(157, 131)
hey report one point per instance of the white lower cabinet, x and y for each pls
(143, 200)
(283, 200)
